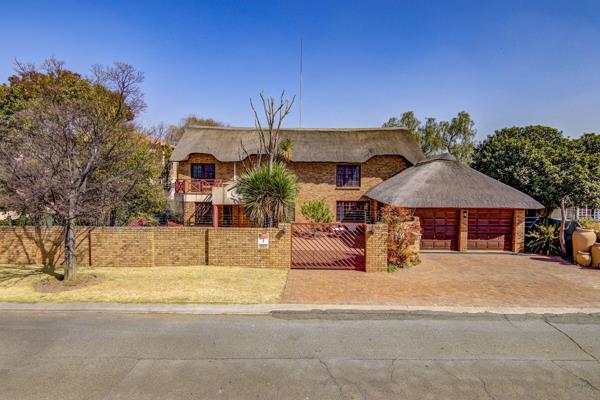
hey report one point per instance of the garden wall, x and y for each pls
(147, 247)
(161, 246)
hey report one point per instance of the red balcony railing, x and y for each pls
(196, 185)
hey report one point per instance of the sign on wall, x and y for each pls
(263, 240)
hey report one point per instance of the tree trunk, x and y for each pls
(113, 218)
(70, 267)
(563, 222)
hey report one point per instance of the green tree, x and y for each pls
(316, 211)
(430, 137)
(455, 137)
(458, 136)
(543, 163)
(268, 193)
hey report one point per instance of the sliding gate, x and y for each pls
(328, 246)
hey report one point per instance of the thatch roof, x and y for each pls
(444, 182)
(311, 145)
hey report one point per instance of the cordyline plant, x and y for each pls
(402, 235)
(268, 194)
(68, 145)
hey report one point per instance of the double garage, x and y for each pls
(458, 207)
(487, 229)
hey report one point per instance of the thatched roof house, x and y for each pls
(310, 145)
(444, 182)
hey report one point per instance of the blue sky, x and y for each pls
(506, 62)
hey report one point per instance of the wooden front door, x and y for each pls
(490, 229)
(439, 228)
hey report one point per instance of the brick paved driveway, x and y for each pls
(475, 280)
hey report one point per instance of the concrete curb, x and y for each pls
(265, 309)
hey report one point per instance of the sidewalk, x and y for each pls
(265, 309)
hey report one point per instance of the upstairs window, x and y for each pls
(347, 176)
(203, 171)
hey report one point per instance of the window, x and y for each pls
(347, 176)
(203, 171)
(353, 211)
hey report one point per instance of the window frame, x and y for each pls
(342, 176)
(202, 167)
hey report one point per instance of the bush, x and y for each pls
(402, 235)
(316, 211)
(543, 239)
(589, 223)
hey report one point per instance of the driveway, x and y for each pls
(467, 280)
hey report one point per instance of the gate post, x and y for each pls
(376, 248)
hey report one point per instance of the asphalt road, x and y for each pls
(57, 355)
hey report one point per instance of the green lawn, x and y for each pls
(200, 284)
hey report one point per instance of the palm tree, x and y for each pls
(268, 194)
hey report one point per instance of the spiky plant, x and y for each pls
(543, 239)
(268, 195)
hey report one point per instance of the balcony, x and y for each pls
(202, 186)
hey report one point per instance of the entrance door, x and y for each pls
(490, 229)
(439, 228)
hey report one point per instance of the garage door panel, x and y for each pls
(490, 230)
(439, 228)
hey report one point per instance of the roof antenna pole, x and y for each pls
(300, 123)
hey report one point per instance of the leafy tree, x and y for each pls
(316, 211)
(430, 137)
(268, 193)
(68, 145)
(455, 137)
(543, 163)
(458, 136)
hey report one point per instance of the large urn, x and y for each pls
(583, 240)
(596, 255)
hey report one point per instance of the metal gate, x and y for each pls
(328, 246)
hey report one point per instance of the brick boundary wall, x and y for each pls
(161, 246)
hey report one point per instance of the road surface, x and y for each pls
(336, 355)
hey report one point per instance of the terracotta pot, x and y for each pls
(596, 255)
(583, 240)
(583, 258)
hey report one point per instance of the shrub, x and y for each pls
(589, 223)
(543, 239)
(402, 235)
(316, 211)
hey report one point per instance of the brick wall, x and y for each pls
(239, 247)
(463, 229)
(317, 180)
(376, 249)
(519, 231)
(147, 247)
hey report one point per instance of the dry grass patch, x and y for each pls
(200, 284)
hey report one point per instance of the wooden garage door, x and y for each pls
(439, 228)
(490, 230)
